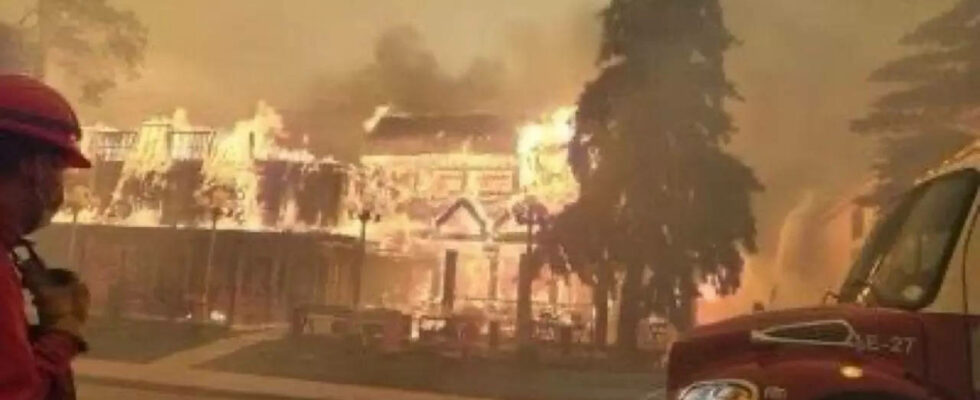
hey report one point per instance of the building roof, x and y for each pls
(480, 133)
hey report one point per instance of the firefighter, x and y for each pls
(38, 141)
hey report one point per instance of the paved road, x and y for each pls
(97, 391)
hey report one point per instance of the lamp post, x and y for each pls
(215, 203)
(528, 212)
(492, 251)
(365, 216)
(77, 200)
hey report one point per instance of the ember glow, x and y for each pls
(229, 164)
(542, 149)
(454, 190)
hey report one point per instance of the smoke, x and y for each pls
(412, 80)
(405, 75)
(217, 58)
(536, 70)
(802, 68)
(11, 50)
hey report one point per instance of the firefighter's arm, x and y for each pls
(57, 341)
(29, 367)
(19, 376)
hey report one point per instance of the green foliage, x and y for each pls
(920, 123)
(660, 195)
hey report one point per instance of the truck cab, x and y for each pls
(906, 323)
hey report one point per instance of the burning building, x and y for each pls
(448, 186)
(174, 218)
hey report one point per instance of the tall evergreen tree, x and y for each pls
(921, 122)
(661, 196)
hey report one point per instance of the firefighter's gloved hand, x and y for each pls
(62, 302)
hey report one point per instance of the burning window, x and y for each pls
(113, 146)
(191, 145)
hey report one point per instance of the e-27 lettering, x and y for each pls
(888, 344)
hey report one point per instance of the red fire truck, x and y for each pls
(906, 323)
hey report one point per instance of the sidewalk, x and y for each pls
(177, 373)
(229, 384)
(218, 349)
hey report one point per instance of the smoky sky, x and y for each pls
(218, 57)
(802, 67)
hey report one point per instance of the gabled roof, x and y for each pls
(472, 209)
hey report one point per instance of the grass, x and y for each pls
(142, 341)
(317, 359)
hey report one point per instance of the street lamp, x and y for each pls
(216, 204)
(79, 198)
(529, 212)
(366, 216)
(492, 251)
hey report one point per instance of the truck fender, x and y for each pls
(821, 380)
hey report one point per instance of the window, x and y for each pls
(904, 262)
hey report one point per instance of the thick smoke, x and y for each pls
(412, 80)
(11, 50)
(404, 74)
(538, 70)
(802, 67)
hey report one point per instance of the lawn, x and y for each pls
(143, 341)
(312, 358)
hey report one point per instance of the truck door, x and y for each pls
(970, 287)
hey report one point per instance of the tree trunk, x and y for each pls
(686, 314)
(629, 309)
(600, 300)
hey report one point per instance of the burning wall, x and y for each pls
(451, 181)
(255, 278)
(169, 201)
(168, 172)
(422, 166)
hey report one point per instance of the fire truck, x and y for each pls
(905, 324)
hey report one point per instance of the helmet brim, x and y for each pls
(59, 140)
(75, 159)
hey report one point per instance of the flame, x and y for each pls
(708, 292)
(232, 165)
(542, 151)
(229, 165)
(379, 113)
(146, 164)
(150, 152)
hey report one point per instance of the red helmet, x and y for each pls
(34, 110)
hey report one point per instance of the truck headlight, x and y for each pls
(720, 390)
